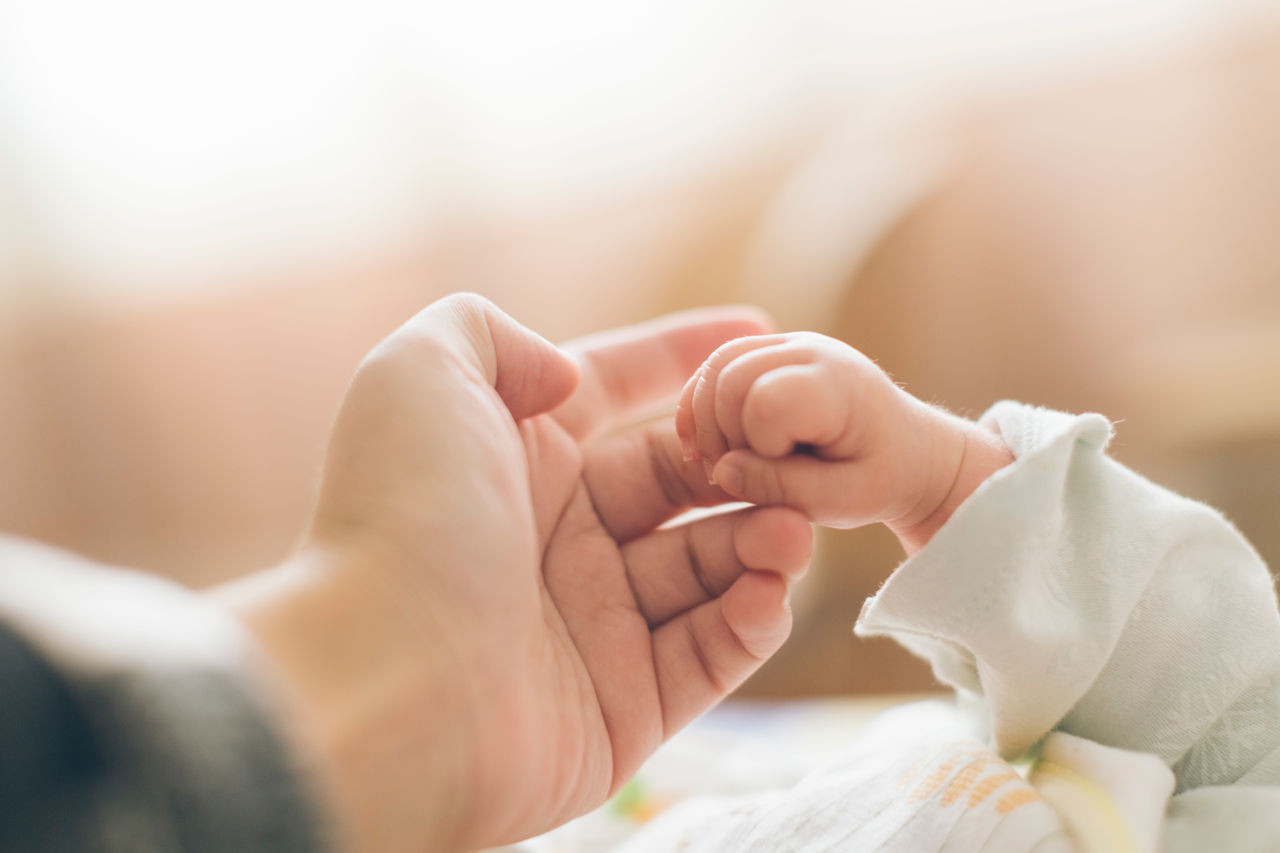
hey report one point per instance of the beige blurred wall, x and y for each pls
(1112, 245)
(186, 438)
(1106, 239)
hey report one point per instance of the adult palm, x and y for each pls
(515, 517)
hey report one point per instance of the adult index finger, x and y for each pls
(628, 369)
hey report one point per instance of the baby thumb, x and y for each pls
(815, 487)
(530, 374)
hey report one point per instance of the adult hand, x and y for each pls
(489, 628)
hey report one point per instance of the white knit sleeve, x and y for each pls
(1069, 593)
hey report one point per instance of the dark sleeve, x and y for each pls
(106, 748)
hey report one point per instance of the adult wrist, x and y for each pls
(360, 697)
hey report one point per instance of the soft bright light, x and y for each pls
(147, 142)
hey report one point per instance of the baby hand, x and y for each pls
(807, 421)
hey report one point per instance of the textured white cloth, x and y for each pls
(1125, 637)
(1073, 594)
(1109, 800)
(918, 780)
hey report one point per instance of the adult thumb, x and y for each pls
(530, 374)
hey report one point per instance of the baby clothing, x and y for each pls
(1121, 641)
(919, 779)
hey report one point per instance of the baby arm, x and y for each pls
(807, 421)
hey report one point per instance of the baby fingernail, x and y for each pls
(729, 478)
(688, 450)
(708, 467)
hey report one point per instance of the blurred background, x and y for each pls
(210, 212)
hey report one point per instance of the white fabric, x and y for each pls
(1110, 800)
(918, 780)
(1130, 634)
(1073, 594)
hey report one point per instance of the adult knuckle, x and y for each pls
(776, 486)
(465, 301)
(667, 472)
